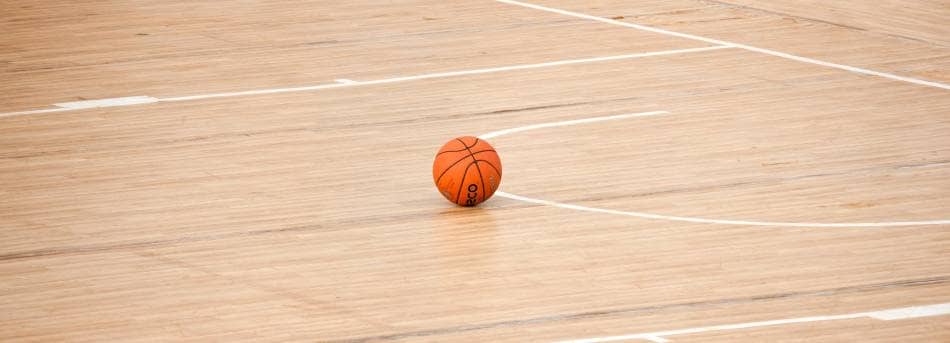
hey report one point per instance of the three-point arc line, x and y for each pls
(655, 216)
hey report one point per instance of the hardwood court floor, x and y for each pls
(310, 215)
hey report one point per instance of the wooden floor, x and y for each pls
(751, 171)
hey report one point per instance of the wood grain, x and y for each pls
(920, 20)
(311, 216)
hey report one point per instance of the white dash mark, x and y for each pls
(730, 44)
(568, 123)
(912, 312)
(111, 102)
(345, 81)
(892, 314)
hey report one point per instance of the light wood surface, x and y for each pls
(919, 20)
(311, 216)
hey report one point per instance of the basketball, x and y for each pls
(467, 171)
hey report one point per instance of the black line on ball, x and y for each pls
(456, 162)
(496, 171)
(462, 149)
(475, 160)
(462, 183)
(492, 166)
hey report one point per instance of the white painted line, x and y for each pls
(338, 83)
(930, 310)
(740, 326)
(715, 221)
(342, 83)
(615, 22)
(731, 44)
(912, 312)
(568, 122)
(846, 67)
(110, 102)
(502, 194)
(542, 65)
(655, 339)
(254, 92)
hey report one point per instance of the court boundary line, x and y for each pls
(731, 44)
(341, 83)
(883, 315)
(655, 216)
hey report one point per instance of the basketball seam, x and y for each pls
(496, 171)
(480, 176)
(492, 165)
(462, 149)
(462, 182)
(456, 162)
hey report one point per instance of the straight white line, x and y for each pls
(845, 67)
(255, 92)
(892, 314)
(731, 44)
(740, 326)
(342, 83)
(543, 65)
(912, 312)
(616, 22)
(339, 83)
(109, 102)
(655, 339)
(568, 122)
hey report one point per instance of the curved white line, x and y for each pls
(666, 217)
(567, 123)
(711, 221)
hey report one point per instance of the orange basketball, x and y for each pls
(467, 171)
